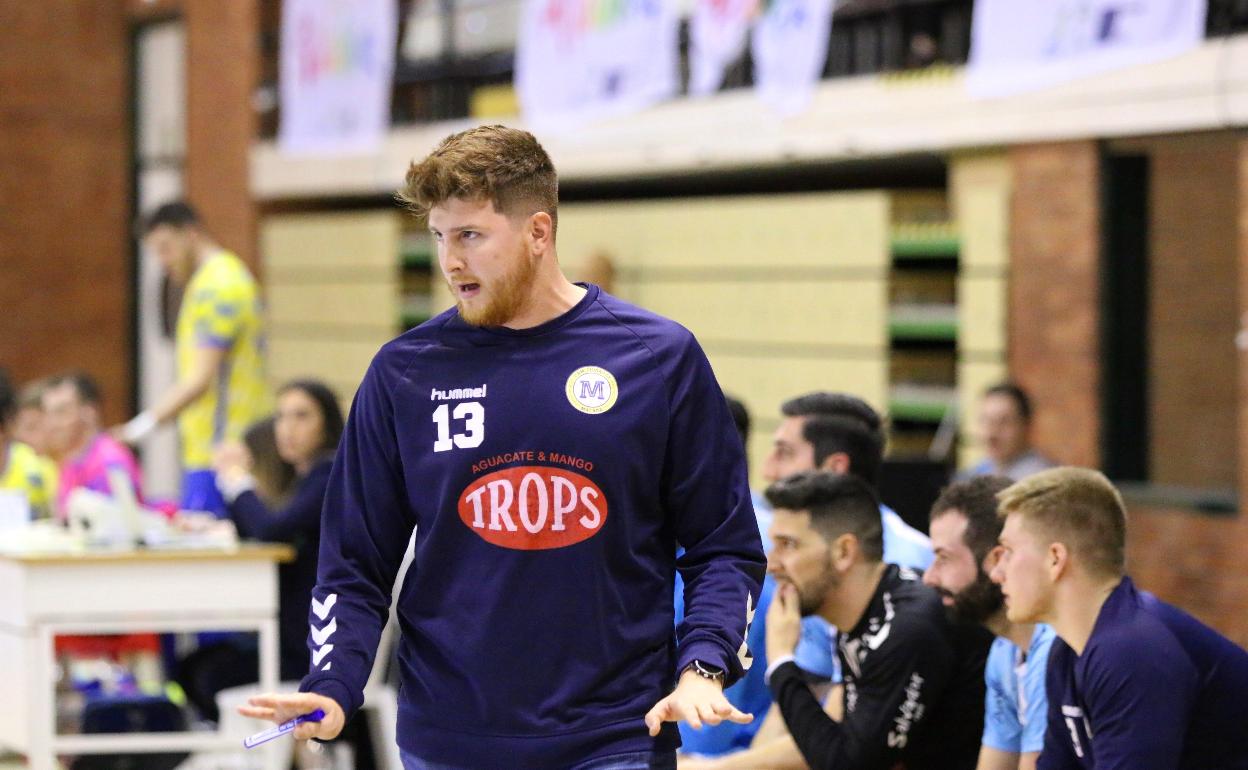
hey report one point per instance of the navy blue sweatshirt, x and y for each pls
(1154, 689)
(550, 474)
(297, 523)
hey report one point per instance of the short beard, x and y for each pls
(977, 602)
(815, 593)
(510, 294)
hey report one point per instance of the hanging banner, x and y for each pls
(790, 48)
(337, 67)
(718, 30)
(583, 60)
(1022, 46)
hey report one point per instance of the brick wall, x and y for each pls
(66, 297)
(1193, 310)
(1053, 315)
(64, 193)
(1193, 560)
(223, 62)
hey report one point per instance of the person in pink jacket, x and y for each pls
(87, 453)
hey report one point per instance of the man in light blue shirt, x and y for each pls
(818, 431)
(965, 527)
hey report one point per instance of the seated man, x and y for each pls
(30, 425)
(838, 433)
(965, 527)
(72, 405)
(21, 469)
(1132, 682)
(913, 681)
(1004, 430)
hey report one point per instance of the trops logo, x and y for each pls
(534, 507)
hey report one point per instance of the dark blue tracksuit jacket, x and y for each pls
(550, 474)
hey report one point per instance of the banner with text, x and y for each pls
(1019, 47)
(583, 60)
(790, 48)
(718, 30)
(337, 68)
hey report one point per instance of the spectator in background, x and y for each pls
(72, 404)
(275, 478)
(220, 388)
(30, 426)
(965, 528)
(1005, 431)
(307, 427)
(21, 469)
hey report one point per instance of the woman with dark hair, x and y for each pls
(275, 478)
(307, 425)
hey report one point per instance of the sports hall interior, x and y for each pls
(898, 239)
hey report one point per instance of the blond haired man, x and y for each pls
(1132, 682)
(551, 445)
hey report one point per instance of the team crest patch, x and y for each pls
(592, 390)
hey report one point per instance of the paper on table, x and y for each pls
(14, 510)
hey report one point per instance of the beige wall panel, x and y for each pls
(346, 304)
(332, 359)
(764, 383)
(808, 230)
(851, 313)
(982, 315)
(354, 239)
(980, 186)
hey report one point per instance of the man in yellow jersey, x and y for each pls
(21, 470)
(220, 387)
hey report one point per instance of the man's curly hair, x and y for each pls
(505, 166)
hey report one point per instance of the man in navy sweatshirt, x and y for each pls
(1132, 682)
(552, 446)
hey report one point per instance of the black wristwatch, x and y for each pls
(706, 671)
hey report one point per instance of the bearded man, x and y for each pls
(551, 446)
(965, 527)
(913, 680)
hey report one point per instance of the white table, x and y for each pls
(45, 595)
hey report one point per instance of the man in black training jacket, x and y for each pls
(914, 683)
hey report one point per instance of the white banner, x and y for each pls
(718, 30)
(582, 60)
(790, 48)
(337, 68)
(1020, 46)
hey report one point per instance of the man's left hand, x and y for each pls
(697, 701)
(784, 622)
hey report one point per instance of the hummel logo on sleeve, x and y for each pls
(320, 635)
(319, 654)
(321, 610)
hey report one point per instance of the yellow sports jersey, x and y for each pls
(221, 308)
(24, 471)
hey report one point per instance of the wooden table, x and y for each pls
(165, 590)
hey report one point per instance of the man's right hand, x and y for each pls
(283, 708)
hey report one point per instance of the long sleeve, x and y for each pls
(898, 686)
(706, 490)
(365, 527)
(1139, 697)
(301, 515)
